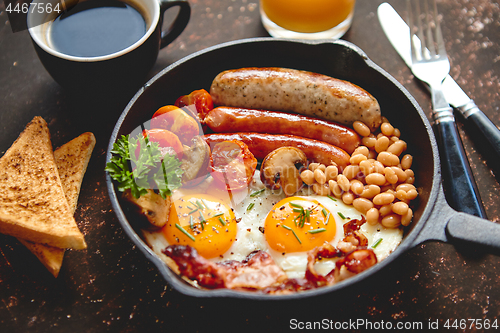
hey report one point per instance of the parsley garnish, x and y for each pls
(138, 171)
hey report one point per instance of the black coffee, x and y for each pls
(96, 28)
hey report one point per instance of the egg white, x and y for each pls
(250, 222)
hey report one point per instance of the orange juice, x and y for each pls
(307, 16)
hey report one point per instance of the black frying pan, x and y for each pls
(433, 217)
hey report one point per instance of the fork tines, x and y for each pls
(427, 21)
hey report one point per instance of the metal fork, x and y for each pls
(430, 64)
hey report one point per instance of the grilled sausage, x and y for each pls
(229, 119)
(260, 145)
(303, 92)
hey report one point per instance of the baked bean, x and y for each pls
(361, 128)
(390, 175)
(372, 154)
(401, 195)
(391, 221)
(358, 158)
(331, 172)
(381, 144)
(405, 187)
(351, 171)
(313, 166)
(319, 176)
(321, 189)
(362, 204)
(406, 161)
(357, 187)
(387, 129)
(307, 177)
(365, 167)
(406, 201)
(372, 216)
(361, 150)
(411, 176)
(397, 147)
(375, 179)
(396, 132)
(348, 198)
(369, 141)
(406, 219)
(400, 208)
(383, 199)
(388, 189)
(388, 159)
(400, 173)
(378, 167)
(343, 182)
(387, 209)
(411, 194)
(335, 188)
(370, 191)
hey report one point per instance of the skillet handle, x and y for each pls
(474, 232)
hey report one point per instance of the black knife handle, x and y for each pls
(483, 124)
(460, 187)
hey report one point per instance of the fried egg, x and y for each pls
(222, 227)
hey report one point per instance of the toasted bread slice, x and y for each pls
(72, 160)
(32, 201)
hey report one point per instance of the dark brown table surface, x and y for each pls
(111, 287)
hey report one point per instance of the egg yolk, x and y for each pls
(203, 222)
(298, 224)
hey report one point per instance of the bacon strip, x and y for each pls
(257, 271)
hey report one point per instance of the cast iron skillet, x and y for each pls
(433, 217)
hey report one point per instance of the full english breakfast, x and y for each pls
(280, 194)
(39, 192)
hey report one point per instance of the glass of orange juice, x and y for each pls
(307, 19)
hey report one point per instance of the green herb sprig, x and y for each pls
(137, 163)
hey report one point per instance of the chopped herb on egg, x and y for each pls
(256, 193)
(315, 231)
(331, 197)
(222, 221)
(178, 226)
(377, 243)
(288, 228)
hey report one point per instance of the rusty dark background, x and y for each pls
(111, 287)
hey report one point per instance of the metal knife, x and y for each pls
(398, 33)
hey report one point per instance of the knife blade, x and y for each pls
(398, 33)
